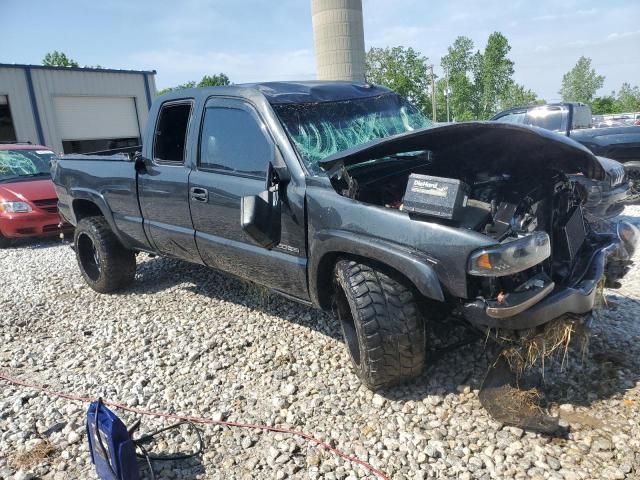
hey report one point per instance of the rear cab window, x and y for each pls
(549, 117)
(170, 136)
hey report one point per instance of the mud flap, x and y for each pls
(509, 403)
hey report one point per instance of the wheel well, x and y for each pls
(325, 275)
(85, 208)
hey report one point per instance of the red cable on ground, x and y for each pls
(207, 421)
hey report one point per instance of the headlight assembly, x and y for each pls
(15, 207)
(510, 257)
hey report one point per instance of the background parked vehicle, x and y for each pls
(575, 121)
(28, 201)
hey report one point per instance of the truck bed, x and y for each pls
(109, 181)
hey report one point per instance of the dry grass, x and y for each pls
(33, 457)
(534, 347)
(521, 403)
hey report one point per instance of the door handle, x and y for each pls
(199, 194)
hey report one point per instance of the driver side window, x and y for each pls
(233, 140)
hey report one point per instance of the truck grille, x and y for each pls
(49, 205)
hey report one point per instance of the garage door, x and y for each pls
(90, 118)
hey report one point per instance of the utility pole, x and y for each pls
(447, 93)
(433, 93)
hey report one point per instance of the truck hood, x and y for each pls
(29, 190)
(499, 146)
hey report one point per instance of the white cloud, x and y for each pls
(566, 15)
(616, 35)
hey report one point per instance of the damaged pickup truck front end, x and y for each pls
(543, 259)
(538, 258)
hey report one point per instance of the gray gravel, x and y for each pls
(184, 339)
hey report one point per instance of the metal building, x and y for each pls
(339, 39)
(74, 110)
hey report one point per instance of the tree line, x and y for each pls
(478, 83)
(60, 59)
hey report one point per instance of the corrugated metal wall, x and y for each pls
(13, 83)
(50, 83)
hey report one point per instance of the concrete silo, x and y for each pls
(339, 39)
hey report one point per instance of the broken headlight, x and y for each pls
(510, 257)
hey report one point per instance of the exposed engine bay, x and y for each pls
(501, 205)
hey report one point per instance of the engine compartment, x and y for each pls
(502, 205)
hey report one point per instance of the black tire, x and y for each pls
(381, 324)
(4, 241)
(104, 262)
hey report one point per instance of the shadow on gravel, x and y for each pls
(188, 469)
(161, 274)
(457, 364)
(610, 366)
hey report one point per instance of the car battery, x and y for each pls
(439, 197)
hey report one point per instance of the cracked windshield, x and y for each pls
(321, 130)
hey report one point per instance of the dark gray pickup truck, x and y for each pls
(341, 196)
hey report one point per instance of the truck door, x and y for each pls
(164, 184)
(235, 149)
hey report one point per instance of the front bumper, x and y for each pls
(578, 299)
(32, 224)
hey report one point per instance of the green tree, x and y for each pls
(496, 73)
(628, 99)
(460, 64)
(219, 79)
(481, 83)
(404, 70)
(581, 83)
(515, 95)
(604, 105)
(58, 59)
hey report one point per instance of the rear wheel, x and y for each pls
(380, 320)
(104, 262)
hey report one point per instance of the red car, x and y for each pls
(28, 201)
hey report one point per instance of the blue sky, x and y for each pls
(253, 40)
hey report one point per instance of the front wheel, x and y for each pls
(104, 262)
(381, 324)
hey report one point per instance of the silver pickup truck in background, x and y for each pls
(574, 120)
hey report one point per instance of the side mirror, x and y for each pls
(139, 163)
(260, 218)
(260, 215)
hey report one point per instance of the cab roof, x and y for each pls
(291, 92)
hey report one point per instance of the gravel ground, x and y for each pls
(187, 340)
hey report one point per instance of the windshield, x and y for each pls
(23, 164)
(319, 130)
